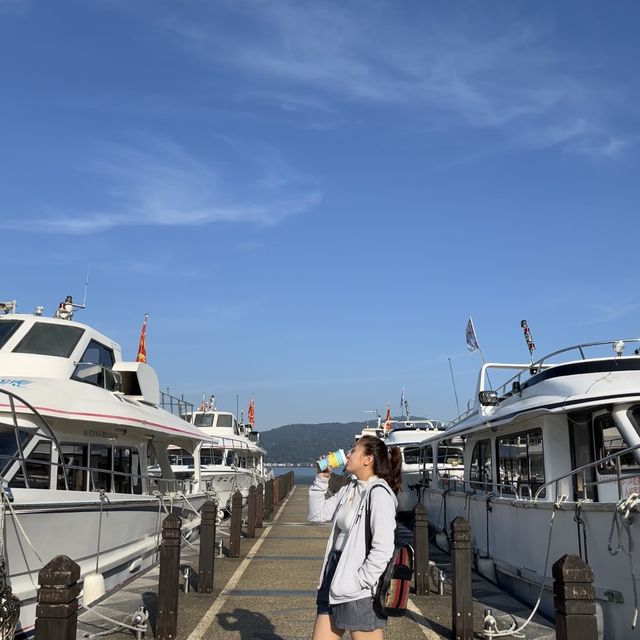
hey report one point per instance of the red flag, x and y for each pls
(142, 344)
(387, 420)
(250, 412)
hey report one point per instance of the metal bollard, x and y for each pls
(462, 604)
(421, 549)
(236, 525)
(574, 599)
(251, 513)
(167, 623)
(259, 506)
(57, 608)
(207, 541)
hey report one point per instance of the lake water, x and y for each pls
(303, 475)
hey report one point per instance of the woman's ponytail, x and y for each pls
(387, 462)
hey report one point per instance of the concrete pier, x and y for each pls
(268, 592)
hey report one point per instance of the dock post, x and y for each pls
(421, 550)
(57, 608)
(574, 599)
(167, 623)
(276, 493)
(462, 604)
(207, 543)
(251, 513)
(268, 499)
(259, 505)
(236, 525)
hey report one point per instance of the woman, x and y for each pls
(351, 571)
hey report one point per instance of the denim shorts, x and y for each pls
(357, 615)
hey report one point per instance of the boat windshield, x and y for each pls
(7, 329)
(180, 457)
(211, 456)
(47, 339)
(204, 420)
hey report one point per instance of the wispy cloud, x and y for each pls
(506, 74)
(160, 184)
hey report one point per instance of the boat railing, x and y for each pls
(115, 483)
(535, 367)
(177, 406)
(538, 491)
(618, 477)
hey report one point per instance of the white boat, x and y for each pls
(416, 462)
(79, 429)
(552, 466)
(230, 460)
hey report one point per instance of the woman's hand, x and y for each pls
(323, 474)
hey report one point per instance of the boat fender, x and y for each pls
(93, 588)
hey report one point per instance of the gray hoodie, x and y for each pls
(357, 574)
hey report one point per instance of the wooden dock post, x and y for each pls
(57, 608)
(268, 499)
(276, 493)
(574, 599)
(251, 513)
(259, 505)
(421, 550)
(207, 543)
(462, 604)
(167, 623)
(236, 525)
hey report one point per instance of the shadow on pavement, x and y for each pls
(249, 624)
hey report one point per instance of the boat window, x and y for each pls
(136, 472)
(224, 420)
(204, 420)
(411, 455)
(9, 450)
(608, 441)
(95, 366)
(100, 463)
(38, 468)
(211, 456)
(75, 460)
(521, 461)
(7, 329)
(50, 340)
(481, 475)
(230, 459)
(427, 454)
(180, 457)
(122, 469)
(450, 455)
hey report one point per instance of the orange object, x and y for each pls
(250, 412)
(142, 344)
(387, 420)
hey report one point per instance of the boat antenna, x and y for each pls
(528, 339)
(453, 382)
(238, 410)
(86, 287)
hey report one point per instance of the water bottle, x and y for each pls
(334, 459)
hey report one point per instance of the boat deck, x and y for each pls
(268, 593)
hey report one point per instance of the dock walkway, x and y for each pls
(268, 593)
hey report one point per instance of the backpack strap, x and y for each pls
(367, 519)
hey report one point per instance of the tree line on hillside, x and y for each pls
(305, 443)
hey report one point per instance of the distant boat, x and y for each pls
(551, 465)
(79, 430)
(230, 459)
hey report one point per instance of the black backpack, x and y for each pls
(392, 593)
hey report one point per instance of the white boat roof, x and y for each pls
(43, 379)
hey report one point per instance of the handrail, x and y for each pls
(584, 467)
(49, 431)
(581, 346)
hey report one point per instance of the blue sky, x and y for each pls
(310, 198)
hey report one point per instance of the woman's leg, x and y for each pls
(376, 634)
(324, 628)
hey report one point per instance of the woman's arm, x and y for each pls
(383, 527)
(321, 508)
